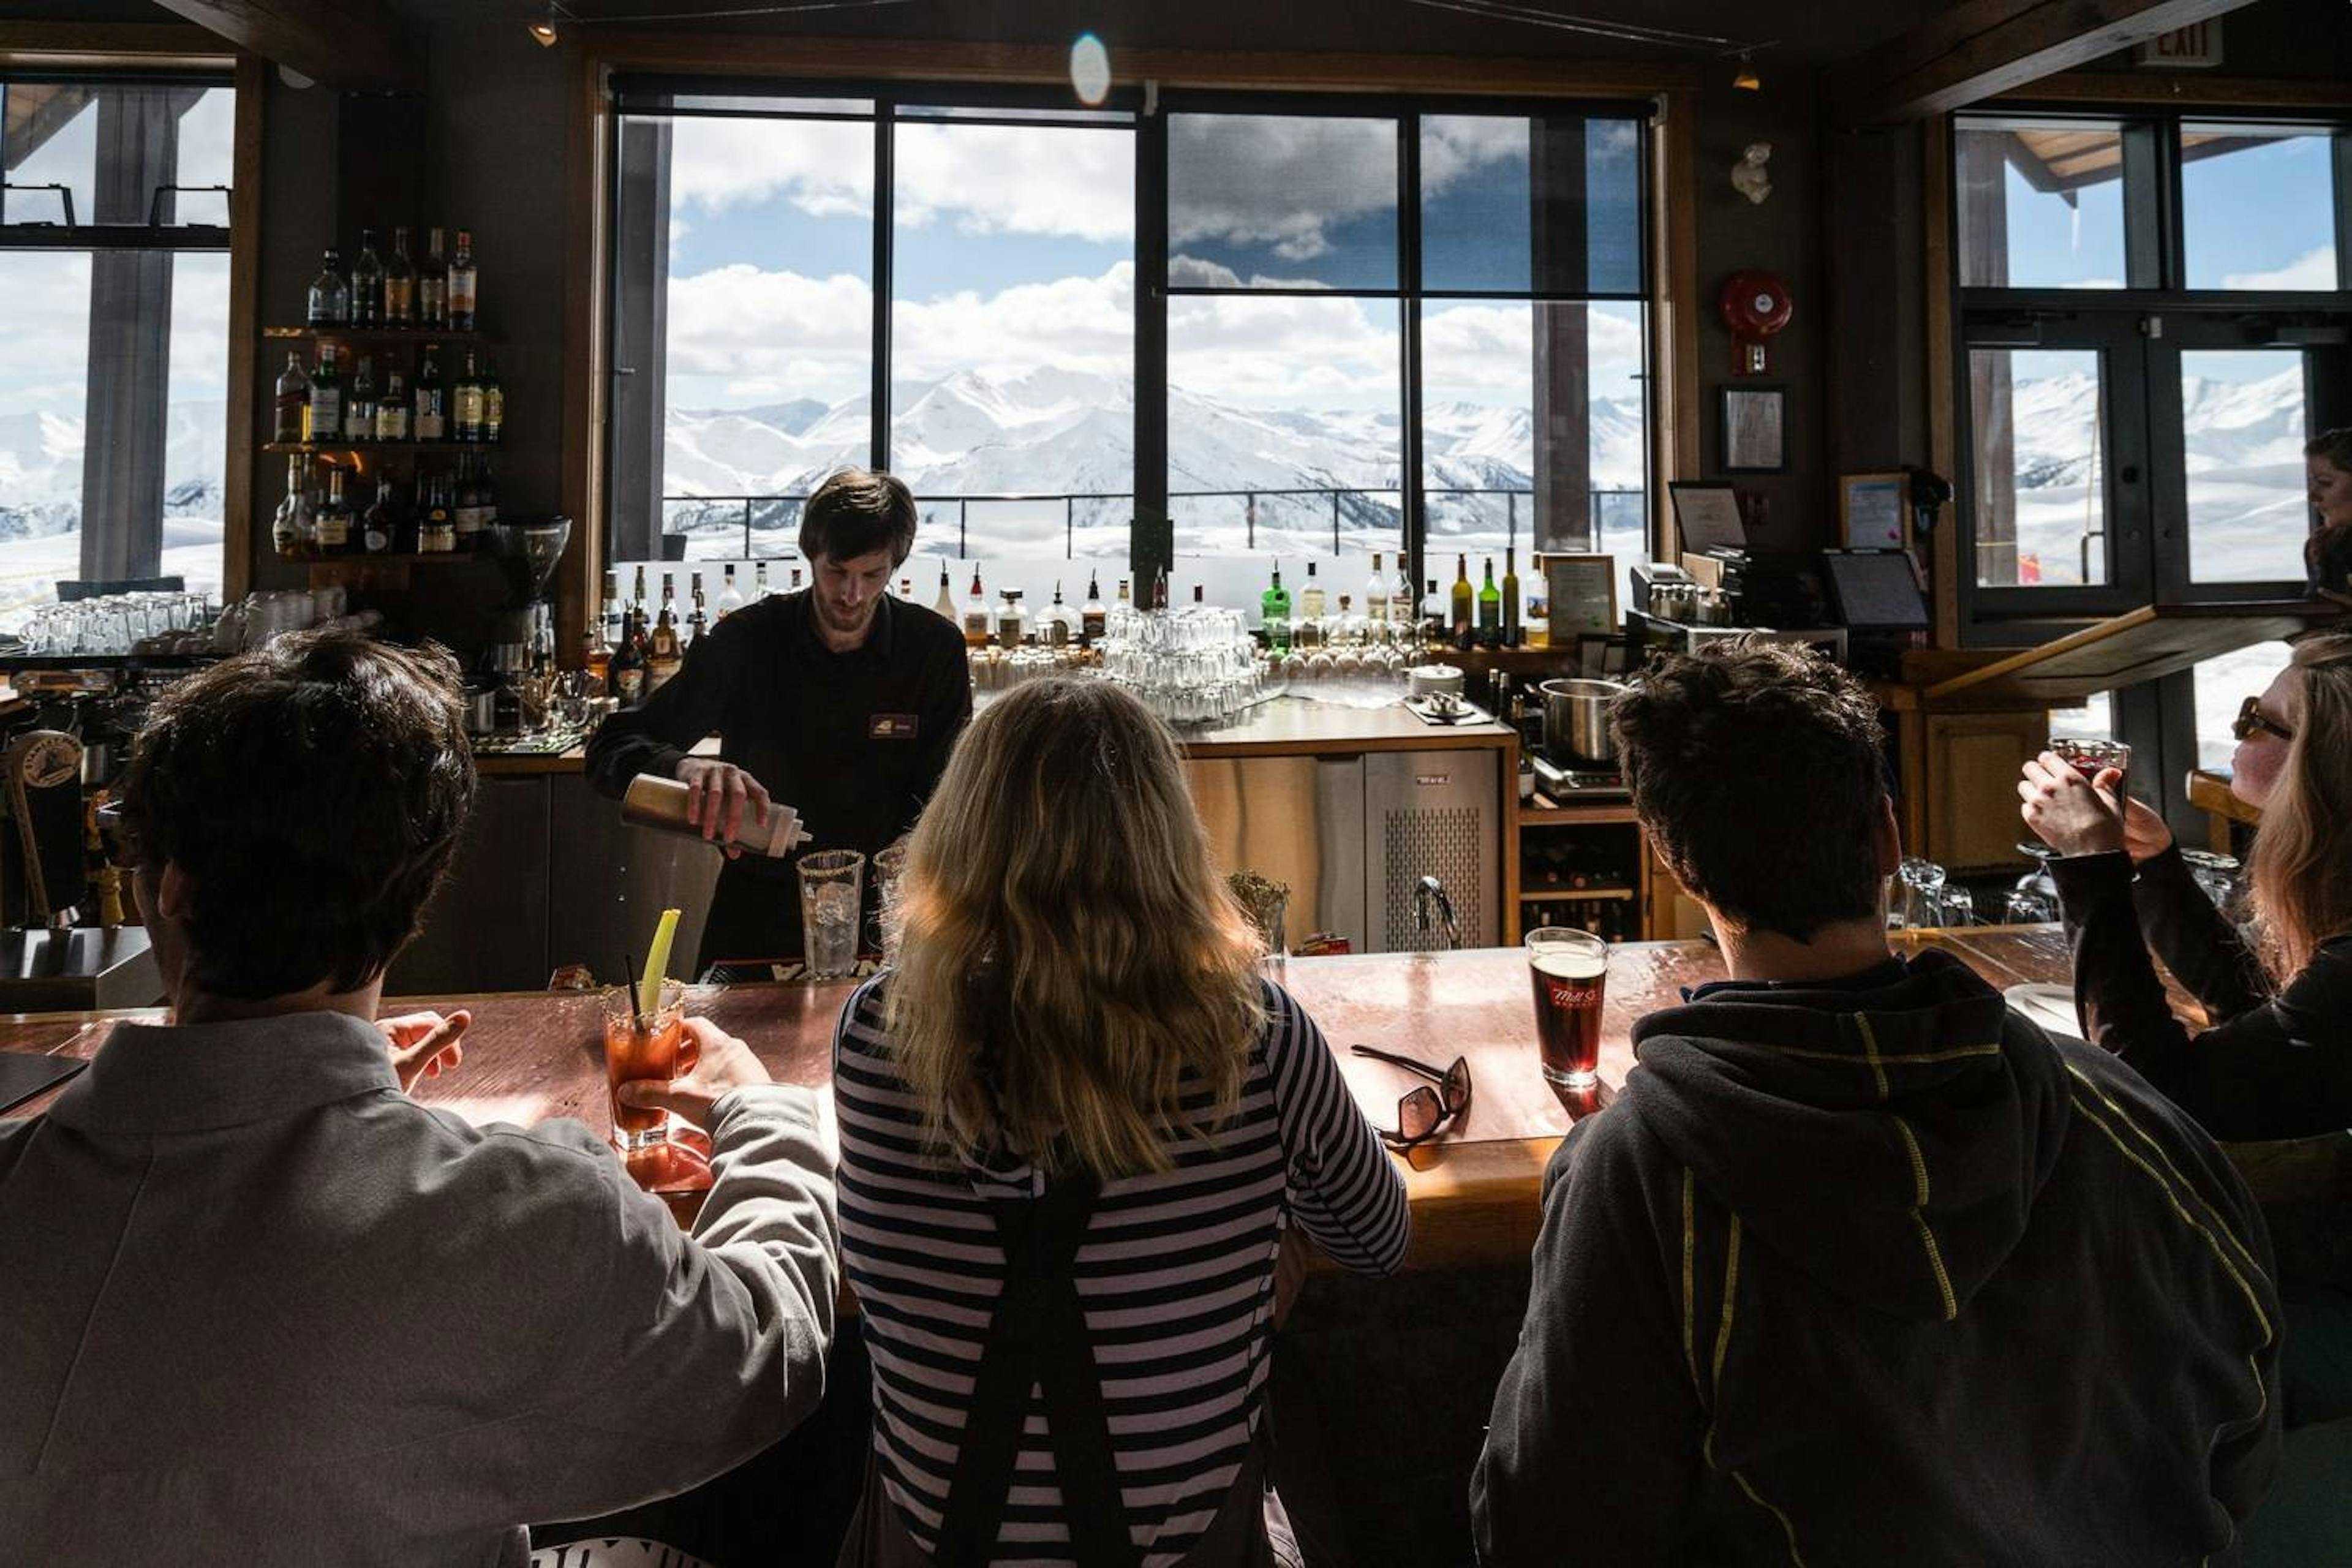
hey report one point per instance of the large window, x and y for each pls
(1326, 330)
(113, 264)
(2155, 312)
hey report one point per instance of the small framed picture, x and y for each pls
(1755, 430)
(1583, 594)
(1875, 511)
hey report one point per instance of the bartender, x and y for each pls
(838, 700)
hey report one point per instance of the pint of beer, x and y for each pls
(1569, 971)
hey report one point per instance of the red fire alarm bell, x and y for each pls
(1755, 306)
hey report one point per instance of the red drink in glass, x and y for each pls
(2091, 758)
(640, 1049)
(1568, 971)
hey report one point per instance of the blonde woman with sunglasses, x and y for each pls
(2277, 1060)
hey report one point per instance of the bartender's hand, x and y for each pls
(2071, 815)
(719, 1063)
(425, 1045)
(717, 795)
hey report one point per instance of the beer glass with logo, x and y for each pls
(1570, 971)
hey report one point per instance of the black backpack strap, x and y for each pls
(1036, 1337)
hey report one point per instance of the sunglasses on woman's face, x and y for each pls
(2252, 721)
(1424, 1112)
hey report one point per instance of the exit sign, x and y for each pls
(2197, 45)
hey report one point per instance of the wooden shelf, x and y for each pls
(1542, 813)
(1561, 895)
(377, 335)
(291, 448)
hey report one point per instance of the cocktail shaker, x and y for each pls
(653, 801)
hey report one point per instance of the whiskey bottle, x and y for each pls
(289, 531)
(333, 524)
(663, 654)
(391, 409)
(494, 404)
(467, 515)
(462, 283)
(399, 283)
(432, 410)
(468, 402)
(1092, 617)
(329, 303)
(976, 620)
(293, 398)
(433, 285)
(698, 621)
(367, 284)
(358, 407)
(323, 417)
(436, 531)
(626, 674)
(379, 525)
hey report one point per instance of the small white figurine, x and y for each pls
(1748, 175)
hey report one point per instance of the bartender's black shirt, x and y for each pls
(853, 742)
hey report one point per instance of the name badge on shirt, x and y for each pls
(891, 727)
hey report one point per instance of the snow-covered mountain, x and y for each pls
(41, 467)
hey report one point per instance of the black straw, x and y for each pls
(629, 984)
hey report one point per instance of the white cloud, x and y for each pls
(45, 350)
(1277, 179)
(985, 179)
(2313, 269)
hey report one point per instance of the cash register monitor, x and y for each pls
(1874, 590)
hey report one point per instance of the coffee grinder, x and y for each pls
(522, 642)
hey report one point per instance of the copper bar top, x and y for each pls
(531, 1056)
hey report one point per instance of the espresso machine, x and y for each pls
(49, 961)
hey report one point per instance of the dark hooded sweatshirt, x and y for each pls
(1879, 1273)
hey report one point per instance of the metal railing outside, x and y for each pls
(1356, 509)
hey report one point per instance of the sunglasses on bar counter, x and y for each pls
(1425, 1112)
(2252, 721)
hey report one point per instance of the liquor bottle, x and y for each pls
(637, 599)
(333, 523)
(625, 673)
(485, 492)
(367, 284)
(399, 283)
(1125, 601)
(494, 404)
(1512, 629)
(378, 525)
(432, 421)
(731, 597)
(358, 407)
(1376, 600)
(663, 655)
(944, 606)
(1432, 626)
(462, 282)
(329, 303)
(466, 403)
(1012, 623)
(324, 421)
(975, 613)
(758, 581)
(612, 619)
(436, 531)
(1092, 617)
(1490, 610)
(1465, 625)
(1402, 619)
(698, 621)
(907, 589)
(293, 396)
(1308, 631)
(466, 516)
(391, 409)
(1273, 609)
(1159, 589)
(290, 529)
(794, 586)
(433, 285)
(1054, 627)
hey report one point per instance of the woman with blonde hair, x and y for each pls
(1076, 1122)
(2277, 1060)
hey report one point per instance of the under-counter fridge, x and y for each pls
(1352, 835)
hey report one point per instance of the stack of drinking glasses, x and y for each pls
(1195, 666)
(120, 624)
(1926, 898)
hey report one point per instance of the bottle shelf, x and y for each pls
(291, 448)
(378, 335)
(1566, 895)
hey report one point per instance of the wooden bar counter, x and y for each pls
(532, 1055)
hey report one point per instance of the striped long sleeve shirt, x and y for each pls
(1175, 1277)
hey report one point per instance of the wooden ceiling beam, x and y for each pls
(1981, 48)
(355, 45)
